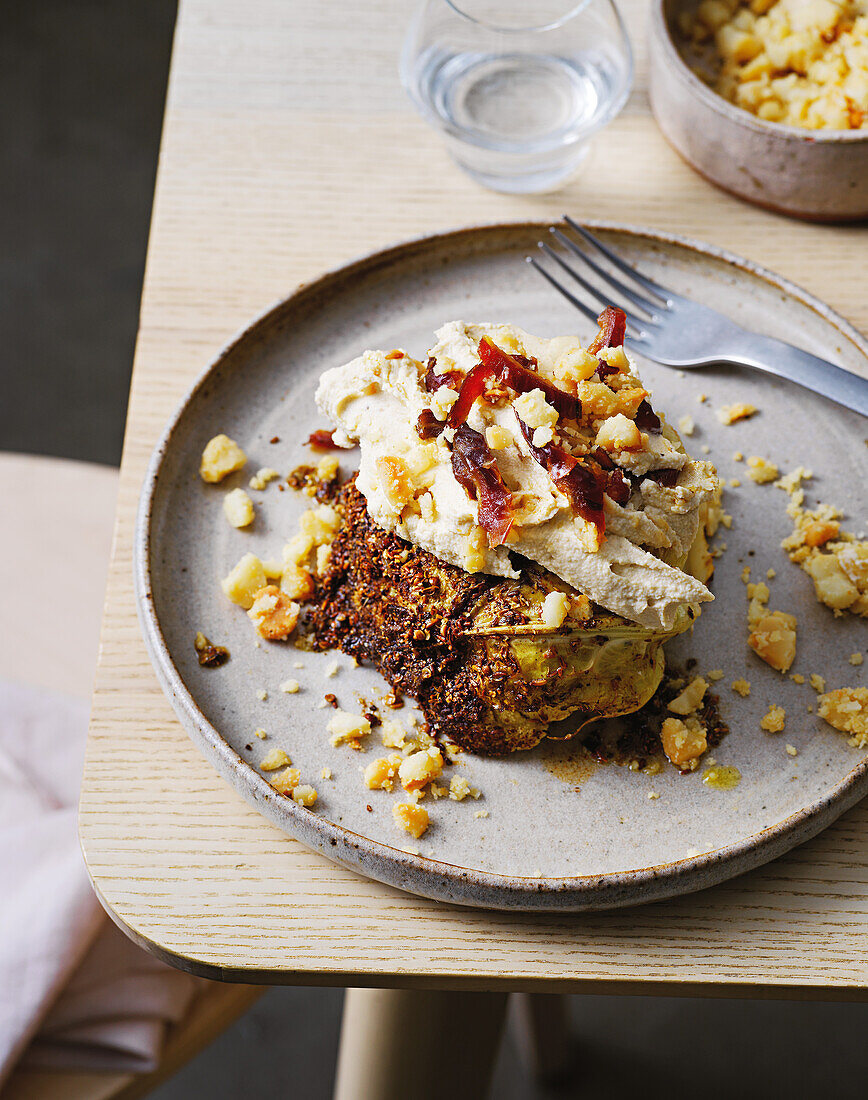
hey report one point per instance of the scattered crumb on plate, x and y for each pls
(846, 709)
(729, 414)
(761, 470)
(773, 722)
(221, 457)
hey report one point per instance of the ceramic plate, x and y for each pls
(551, 830)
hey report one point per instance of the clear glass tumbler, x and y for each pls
(517, 86)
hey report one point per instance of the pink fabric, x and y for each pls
(75, 993)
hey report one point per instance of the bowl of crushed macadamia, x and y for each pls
(768, 99)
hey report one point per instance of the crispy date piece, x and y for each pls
(582, 482)
(475, 469)
(613, 327)
(322, 440)
(210, 655)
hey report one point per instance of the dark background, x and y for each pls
(83, 85)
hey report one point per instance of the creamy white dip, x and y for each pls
(635, 571)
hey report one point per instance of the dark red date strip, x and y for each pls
(613, 328)
(646, 419)
(579, 483)
(495, 364)
(475, 469)
(433, 381)
(322, 440)
(428, 426)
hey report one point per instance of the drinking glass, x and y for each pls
(516, 87)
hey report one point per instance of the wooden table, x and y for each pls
(289, 147)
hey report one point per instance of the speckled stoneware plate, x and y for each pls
(559, 833)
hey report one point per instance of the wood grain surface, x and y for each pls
(288, 148)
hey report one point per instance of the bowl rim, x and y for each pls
(737, 115)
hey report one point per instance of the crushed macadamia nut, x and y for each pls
(729, 414)
(772, 633)
(683, 742)
(296, 582)
(392, 734)
(834, 559)
(380, 774)
(773, 722)
(222, 456)
(327, 468)
(410, 817)
(686, 425)
(262, 477)
(348, 728)
(689, 699)
(741, 687)
(274, 613)
(420, 768)
(474, 557)
(498, 438)
(797, 62)
(619, 433)
(773, 638)
(395, 480)
(238, 508)
(273, 760)
(286, 781)
(304, 795)
(534, 410)
(459, 788)
(846, 709)
(833, 586)
(245, 581)
(761, 470)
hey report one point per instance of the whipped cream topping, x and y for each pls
(634, 570)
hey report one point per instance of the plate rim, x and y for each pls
(424, 875)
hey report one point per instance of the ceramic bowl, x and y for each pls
(819, 175)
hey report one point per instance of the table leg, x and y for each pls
(396, 1043)
(542, 1023)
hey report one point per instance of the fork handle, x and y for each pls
(765, 353)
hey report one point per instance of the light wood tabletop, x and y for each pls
(289, 147)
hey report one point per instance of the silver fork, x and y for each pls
(677, 332)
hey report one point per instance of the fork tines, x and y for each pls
(598, 282)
